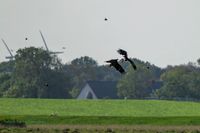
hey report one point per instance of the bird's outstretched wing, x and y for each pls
(119, 68)
(124, 53)
(132, 63)
(116, 65)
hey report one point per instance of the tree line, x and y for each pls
(36, 73)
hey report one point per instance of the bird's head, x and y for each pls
(122, 52)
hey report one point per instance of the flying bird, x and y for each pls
(124, 53)
(46, 84)
(114, 63)
(106, 19)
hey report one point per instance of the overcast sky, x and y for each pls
(163, 32)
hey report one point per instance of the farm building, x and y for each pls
(99, 90)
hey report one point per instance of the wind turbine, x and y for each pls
(51, 52)
(11, 57)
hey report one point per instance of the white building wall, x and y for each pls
(85, 91)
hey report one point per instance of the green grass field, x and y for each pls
(104, 112)
(64, 107)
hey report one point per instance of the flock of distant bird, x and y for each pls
(114, 62)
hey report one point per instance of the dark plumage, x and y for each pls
(116, 65)
(46, 84)
(124, 53)
(105, 19)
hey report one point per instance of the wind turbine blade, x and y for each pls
(7, 48)
(44, 40)
(56, 52)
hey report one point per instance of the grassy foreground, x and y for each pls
(65, 107)
(104, 120)
(102, 129)
(100, 112)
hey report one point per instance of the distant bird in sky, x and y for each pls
(106, 19)
(114, 63)
(26, 38)
(124, 53)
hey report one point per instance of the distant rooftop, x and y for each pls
(104, 89)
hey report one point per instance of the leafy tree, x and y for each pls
(86, 68)
(105, 73)
(84, 62)
(80, 70)
(6, 69)
(37, 74)
(7, 66)
(198, 61)
(57, 85)
(74, 92)
(4, 82)
(138, 84)
(180, 82)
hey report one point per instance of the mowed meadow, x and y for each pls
(66, 107)
(103, 112)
